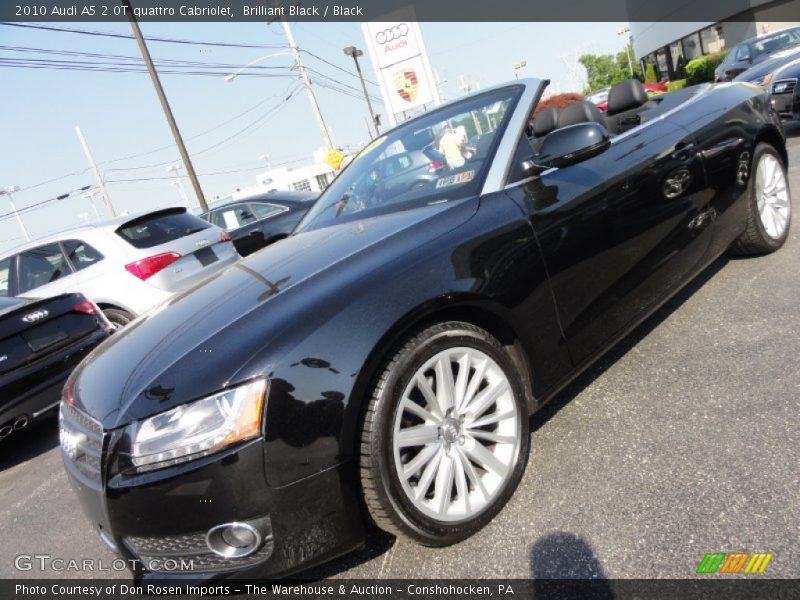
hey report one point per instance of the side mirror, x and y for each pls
(572, 144)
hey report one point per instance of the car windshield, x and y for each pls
(777, 42)
(439, 157)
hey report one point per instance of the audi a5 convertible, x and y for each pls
(380, 364)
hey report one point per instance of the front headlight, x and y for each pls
(763, 80)
(199, 428)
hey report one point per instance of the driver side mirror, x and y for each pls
(569, 145)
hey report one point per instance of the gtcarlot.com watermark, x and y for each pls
(47, 562)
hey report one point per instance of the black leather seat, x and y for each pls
(625, 101)
(580, 112)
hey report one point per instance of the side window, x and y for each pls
(264, 210)
(234, 216)
(81, 254)
(41, 266)
(743, 52)
(5, 277)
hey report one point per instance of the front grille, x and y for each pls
(81, 443)
(188, 553)
(784, 86)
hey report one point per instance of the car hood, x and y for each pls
(202, 340)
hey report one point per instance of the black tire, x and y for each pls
(118, 317)
(389, 506)
(755, 240)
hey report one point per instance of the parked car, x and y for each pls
(757, 50)
(41, 341)
(784, 91)
(764, 73)
(387, 354)
(125, 265)
(409, 170)
(258, 221)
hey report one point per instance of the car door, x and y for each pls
(91, 272)
(6, 283)
(44, 271)
(242, 225)
(742, 60)
(618, 231)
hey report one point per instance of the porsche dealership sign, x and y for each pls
(398, 53)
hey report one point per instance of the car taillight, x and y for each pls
(435, 166)
(147, 267)
(225, 236)
(85, 306)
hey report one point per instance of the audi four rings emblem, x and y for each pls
(35, 316)
(393, 33)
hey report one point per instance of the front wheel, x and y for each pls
(769, 205)
(445, 437)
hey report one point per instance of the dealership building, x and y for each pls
(672, 35)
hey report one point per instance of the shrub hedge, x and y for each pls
(701, 69)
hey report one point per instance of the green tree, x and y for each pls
(604, 70)
(650, 75)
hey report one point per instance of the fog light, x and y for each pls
(233, 540)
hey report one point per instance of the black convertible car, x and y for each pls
(386, 356)
(41, 342)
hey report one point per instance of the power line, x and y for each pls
(335, 66)
(149, 38)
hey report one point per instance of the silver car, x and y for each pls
(126, 265)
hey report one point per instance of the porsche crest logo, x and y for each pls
(406, 84)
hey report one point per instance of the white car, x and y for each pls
(126, 265)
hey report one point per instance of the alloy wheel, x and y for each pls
(772, 196)
(456, 434)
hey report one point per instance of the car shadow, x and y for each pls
(580, 383)
(563, 565)
(377, 543)
(37, 438)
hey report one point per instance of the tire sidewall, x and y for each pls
(772, 243)
(421, 526)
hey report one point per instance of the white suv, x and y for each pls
(126, 265)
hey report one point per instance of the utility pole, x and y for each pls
(326, 136)
(165, 105)
(7, 192)
(355, 53)
(97, 174)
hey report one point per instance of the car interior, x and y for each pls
(628, 106)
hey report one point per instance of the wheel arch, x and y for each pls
(770, 135)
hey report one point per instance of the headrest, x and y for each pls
(625, 96)
(580, 112)
(545, 121)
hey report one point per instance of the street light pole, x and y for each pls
(7, 192)
(97, 174)
(623, 31)
(165, 105)
(355, 53)
(518, 66)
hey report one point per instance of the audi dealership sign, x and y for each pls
(397, 51)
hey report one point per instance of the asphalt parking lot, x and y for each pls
(685, 439)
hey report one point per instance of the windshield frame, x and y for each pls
(519, 92)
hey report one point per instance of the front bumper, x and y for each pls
(158, 521)
(787, 105)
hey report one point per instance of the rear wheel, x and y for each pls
(118, 317)
(769, 208)
(445, 437)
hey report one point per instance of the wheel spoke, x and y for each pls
(461, 480)
(481, 455)
(485, 398)
(490, 419)
(417, 436)
(462, 380)
(444, 484)
(469, 469)
(445, 388)
(490, 436)
(427, 476)
(415, 409)
(474, 383)
(420, 460)
(427, 393)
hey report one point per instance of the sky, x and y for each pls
(227, 126)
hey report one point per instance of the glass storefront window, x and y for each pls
(712, 40)
(691, 46)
